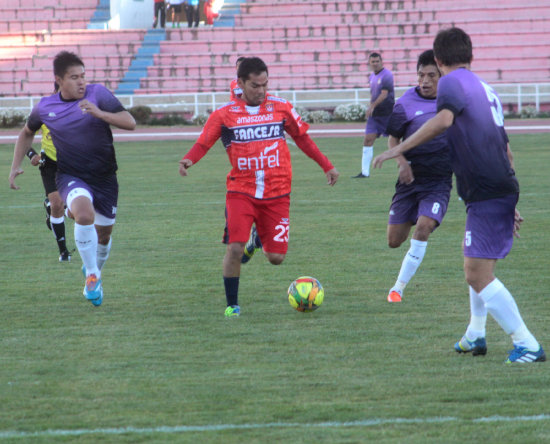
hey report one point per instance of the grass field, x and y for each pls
(158, 362)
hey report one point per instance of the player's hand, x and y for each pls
(368, 112)
(517, 222)
(88, 107)
(13, 175)
(184, 165)
(406, 175)
(380, 159)
(35, 161)
(332, 176)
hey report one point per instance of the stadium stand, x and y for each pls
(307, 44)
(325, 44)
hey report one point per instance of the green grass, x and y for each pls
(159, 353)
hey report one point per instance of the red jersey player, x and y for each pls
(252, 130)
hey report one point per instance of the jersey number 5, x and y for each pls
(496, 107)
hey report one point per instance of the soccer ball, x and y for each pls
(306, 294)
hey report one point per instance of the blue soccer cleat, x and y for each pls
(523, 355)
(232, 310)
(477, 347)
(93, 290)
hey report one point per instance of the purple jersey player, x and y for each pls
(381, 106)
(425, 176)
(471, 113)
(79, 118)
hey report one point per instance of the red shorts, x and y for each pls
(270, 215)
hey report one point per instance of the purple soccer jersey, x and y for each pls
(84, 143)
(430, 161)
(382, 80)
(477, 138)
(429, 194)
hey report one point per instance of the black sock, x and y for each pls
(231, 290)
(59, 232)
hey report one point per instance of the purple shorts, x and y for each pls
(377, 125)
(489, 232)
(105, 196)
(409, 205)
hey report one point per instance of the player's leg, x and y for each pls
(254, 243)
(488, 237)
(430, 208)
(80, 203)
(239, 215)
(57, 222)
(414, 256)
(273, 225)
(368, 149)
(55, 207)
(104, 228)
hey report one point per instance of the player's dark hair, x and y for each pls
(239, 60)
(375, 54)
(425, 59)
(251, 65)
(63, 61)
(453, 46)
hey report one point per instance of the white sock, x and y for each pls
(478, 317)
(411, 262)
(85, 237)
(367, 158)
(502, 306)
(103, 253)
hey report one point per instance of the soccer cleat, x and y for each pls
(395, 296)
(251, 246)
(523, 355)
(65, 256)
(93, 290)
(359, 176)
(232, 310)
(48, 209)
(477, 347)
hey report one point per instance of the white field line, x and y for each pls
(271, 425)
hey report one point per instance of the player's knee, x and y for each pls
(235, 250)
(394, 242)
(57, 208)
(275, 258)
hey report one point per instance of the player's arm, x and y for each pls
(432, 128)
(310, 149)
(405, 171)
(209, 135)
(196, 153)
(121, 119)
(24, 140)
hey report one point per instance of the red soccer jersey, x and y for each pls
(235, 89)
(255, 143)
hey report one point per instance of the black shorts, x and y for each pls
(48, 170)
(176, 8)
